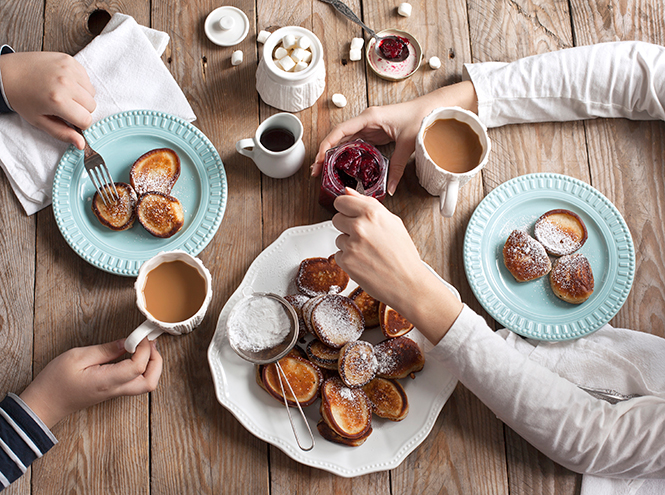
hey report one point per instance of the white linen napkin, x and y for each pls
(627, 361)
(125, 67)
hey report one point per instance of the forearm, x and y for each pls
(566, 424)
(623, 79)
(24, 438)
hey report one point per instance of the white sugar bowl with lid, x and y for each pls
(291, 75)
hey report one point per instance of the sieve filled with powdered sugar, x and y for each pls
(262, 328)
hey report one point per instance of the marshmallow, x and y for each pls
(280, 53)
(298, 54)
(300, 66)
(304, 42)
(355, 55)
(434, 62)
(404, 9)
(287, 63)
(288, 41)
(308, 57)
(236, 58)
(357, 43)
(339, 100)
(262, 36)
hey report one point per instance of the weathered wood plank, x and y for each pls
(627, 160)
(206, 450)
(75, 303)
(506, 32)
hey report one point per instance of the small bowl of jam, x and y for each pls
(357, 165)
(390, 63)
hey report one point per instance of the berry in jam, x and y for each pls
(349, 164)
(394, 48)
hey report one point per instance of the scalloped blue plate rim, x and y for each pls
(488, 280)
(69, 210)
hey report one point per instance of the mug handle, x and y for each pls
(145, 329)
(243, 145)
(448, 199)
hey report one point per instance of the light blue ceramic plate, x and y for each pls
(531, 309)
(121, 139)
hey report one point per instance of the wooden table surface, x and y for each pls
(179, 439)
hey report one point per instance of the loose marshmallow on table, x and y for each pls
(339, 100)
(236, 58)
(262, 36)
(357, 43)
(404, 9)
(434, 62)
(355, 55)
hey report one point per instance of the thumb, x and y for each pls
(398, 163)
(103, 353)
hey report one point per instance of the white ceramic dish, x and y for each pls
(235, 385)
(291, 91)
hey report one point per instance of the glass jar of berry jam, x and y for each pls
(356, 164)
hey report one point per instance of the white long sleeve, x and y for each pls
(621, 79)
(587, 435)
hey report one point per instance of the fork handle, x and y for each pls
(342, 8)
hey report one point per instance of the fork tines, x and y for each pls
(101, 178)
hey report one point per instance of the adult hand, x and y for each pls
(48, 89)
(377, 252)
(399, 123)
(85, 376)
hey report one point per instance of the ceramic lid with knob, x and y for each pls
(226, 26)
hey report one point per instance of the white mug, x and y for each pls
(438, 181)
(152, 327)
(276, 164)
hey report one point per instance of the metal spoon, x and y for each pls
(379, 40)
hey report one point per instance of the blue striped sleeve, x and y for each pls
(23, 438)
(4, 104)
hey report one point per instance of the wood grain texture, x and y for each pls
(627, 159)
(206, 450)
(21, 25)
(179, 439)
(508, 31)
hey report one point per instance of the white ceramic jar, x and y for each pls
(291, 91)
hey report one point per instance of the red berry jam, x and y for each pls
(396, 48)
(353, 164)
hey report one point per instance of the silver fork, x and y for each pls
(99, 173)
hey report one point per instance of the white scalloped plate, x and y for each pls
(531, 309)
(235, 384)
(121, 139)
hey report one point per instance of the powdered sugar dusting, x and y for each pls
(260, 323)
(525, 257)
(337, 320)
(556, 240)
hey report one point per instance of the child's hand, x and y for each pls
(47, 88)
(81, 377)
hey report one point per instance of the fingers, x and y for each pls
(60, 130)
(341, 132)
(101, 354)
(352, 203)
(398, 163)
(147, 380)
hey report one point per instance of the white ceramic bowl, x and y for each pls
(291, 91)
